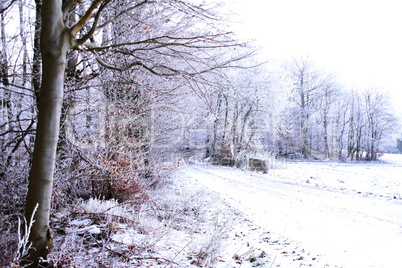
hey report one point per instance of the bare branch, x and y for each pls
(124, 12)
(74, 30)
(133, 64)
(200, 42)
(94, 26)
(194, 9)
(17, 86)
(163, 70)
(7, 6)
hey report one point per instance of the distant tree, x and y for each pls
(239, 111)
(289, 135)
(357, 127)
(370, 120)
(329, 95)
(307, 83)
(380, 121)
(341, 121)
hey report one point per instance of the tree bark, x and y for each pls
(55, 42)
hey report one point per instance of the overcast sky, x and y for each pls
(360, 41)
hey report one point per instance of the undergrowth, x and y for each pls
(175, 227)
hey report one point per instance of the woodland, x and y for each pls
(103, 99)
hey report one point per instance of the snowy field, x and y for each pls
(301, 214)
(320, 214)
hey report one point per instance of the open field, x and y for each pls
(342, 214)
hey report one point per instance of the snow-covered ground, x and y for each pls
(319, 214)
(301, 214)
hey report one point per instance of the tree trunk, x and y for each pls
(326, 143)
(4, 73)
(24, 48)
(226, 120)
(216, 125)
(55, 42)
(7, 99)
(36, 61)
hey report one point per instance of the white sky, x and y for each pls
(360, 41)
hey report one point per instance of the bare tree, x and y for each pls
(306, 86)
(341, 121)
(379, 120)
(329, 95)
(370, 121)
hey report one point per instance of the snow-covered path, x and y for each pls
(347, 227)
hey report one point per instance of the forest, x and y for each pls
(103, 99)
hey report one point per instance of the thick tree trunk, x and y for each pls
(55, 42)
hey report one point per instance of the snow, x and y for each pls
(336, 214)
(81, 222)
(300, 214)
(82, 226)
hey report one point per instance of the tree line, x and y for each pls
(327, 120)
